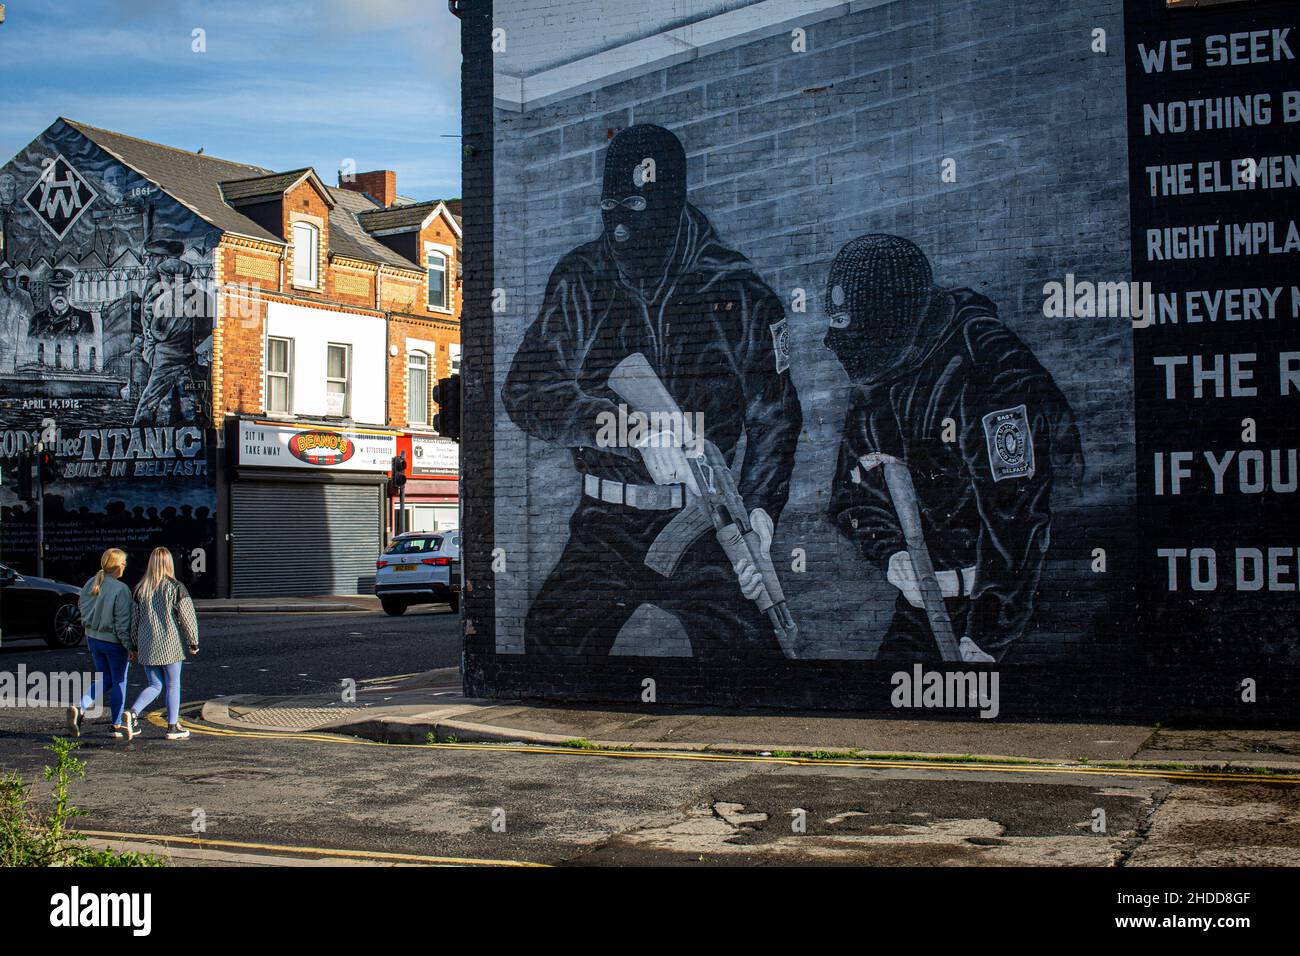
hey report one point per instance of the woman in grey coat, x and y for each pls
(163, 625)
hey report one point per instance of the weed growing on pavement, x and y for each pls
(29, 839)
(432, 738)
(582, 743)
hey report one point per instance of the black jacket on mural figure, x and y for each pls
(976, 510)
(716, 335)
(708, 326)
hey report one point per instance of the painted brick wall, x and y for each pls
(790, 156)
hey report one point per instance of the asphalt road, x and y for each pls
(286, 653)
(598, 809)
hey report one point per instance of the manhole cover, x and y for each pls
(291, 718)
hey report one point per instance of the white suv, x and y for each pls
(419, 567)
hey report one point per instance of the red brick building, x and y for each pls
(323, 316)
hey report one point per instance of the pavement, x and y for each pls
(325, 604)
(418, 707)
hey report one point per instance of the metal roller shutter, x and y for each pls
(303, 538)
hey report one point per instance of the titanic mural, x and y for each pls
(106, 317)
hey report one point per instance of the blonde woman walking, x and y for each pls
(163, 625)
(105, 605)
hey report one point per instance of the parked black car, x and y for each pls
(38, 607)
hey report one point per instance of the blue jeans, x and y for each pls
(169, 673)
(111, 663)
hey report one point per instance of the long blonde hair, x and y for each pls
(109, 561)
(160, 569)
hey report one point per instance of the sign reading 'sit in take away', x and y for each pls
(279, 446)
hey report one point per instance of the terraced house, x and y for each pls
(224, 358)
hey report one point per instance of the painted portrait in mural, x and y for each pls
(658, 283)
(942, 390)
(106, 316)
(120, 298)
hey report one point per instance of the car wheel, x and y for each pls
(393, 607)
(453, 602)
(65, 627)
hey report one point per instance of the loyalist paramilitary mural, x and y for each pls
(902, 331)
(106, 317)
(659, 283)
(658, 292)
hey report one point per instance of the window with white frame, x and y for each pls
(306, 251)
(453, 354)
(439, 296)
(338, 380)
(417, 388)
(279, 375)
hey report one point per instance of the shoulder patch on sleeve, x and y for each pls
(781, 344)
(1010, 443)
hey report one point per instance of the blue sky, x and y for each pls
(283, 84)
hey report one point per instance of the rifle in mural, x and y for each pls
(718, 506)
(903, 493)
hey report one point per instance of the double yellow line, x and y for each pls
(910, 763)
(378, 856)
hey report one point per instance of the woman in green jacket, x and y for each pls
(105, 605)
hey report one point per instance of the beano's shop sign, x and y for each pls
(321, 448)
(328, 449)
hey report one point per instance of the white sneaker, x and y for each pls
(129, 725)
(74, 716)
(177, 732)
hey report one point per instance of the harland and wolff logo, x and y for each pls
(59, 196)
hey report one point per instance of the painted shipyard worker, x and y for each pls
(941, 385)
(16, 312)
(659, 282)
(168, 335)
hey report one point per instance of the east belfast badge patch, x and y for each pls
(1010, 443)
(781, 344)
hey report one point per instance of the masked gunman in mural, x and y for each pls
(657, 282)
(953, 419)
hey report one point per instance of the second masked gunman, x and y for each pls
(942, 386)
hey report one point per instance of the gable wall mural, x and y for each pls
(872, 340)
(106, 315)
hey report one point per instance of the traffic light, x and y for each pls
(447, 394)
(399, 469)
(26, 490)
(49, 466)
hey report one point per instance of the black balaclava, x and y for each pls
(643, 197)
(878, 296)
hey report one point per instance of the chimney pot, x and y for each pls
(381, 184)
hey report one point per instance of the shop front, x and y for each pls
(433, 484)
(307, 507)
